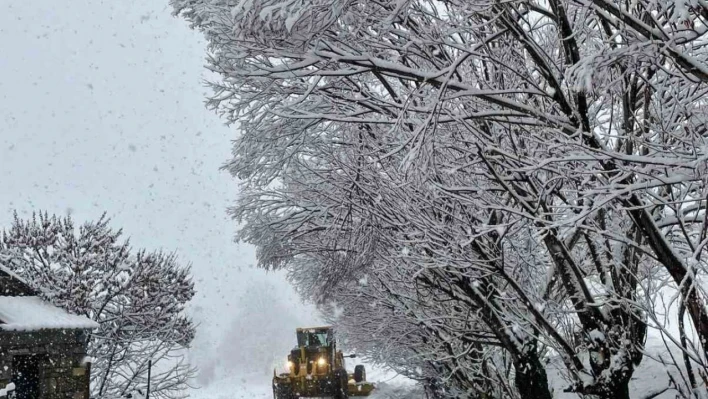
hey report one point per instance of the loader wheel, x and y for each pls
(282, 391)
(359, 373)
(342, 387)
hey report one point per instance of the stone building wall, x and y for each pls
(59, 354)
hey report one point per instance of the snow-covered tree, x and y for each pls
(486, 185)
(137, 297)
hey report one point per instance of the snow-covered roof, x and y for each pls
(30, 313)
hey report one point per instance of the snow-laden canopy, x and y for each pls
(30, 313)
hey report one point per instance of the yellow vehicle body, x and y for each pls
(317, 369)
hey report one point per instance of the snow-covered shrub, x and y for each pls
(137, 298)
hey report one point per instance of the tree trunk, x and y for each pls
(619, 390)
(531, 379)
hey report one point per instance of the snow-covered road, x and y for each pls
(228, 390)
(651, 379)
(257, 386)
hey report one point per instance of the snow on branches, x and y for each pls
(516, 181)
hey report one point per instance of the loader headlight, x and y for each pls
(322, 362)
(290, 365)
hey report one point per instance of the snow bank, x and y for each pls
(30, 313)
(258, 386)
(245, 386)
(5, 391)
(397, 391)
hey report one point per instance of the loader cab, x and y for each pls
(315, 337)
(316, 351)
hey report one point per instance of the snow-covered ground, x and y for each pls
(650, 381)
(236, 387)
(258, 386)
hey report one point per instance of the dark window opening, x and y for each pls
(25, 375)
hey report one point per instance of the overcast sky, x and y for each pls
(101, 109)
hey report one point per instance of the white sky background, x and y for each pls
(101, 109)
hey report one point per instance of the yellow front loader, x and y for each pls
(316, 369)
